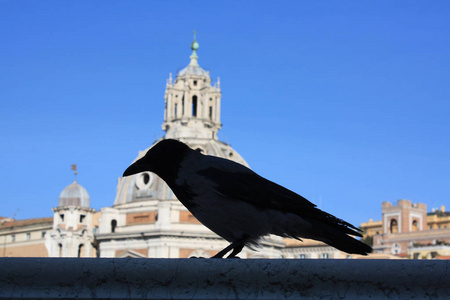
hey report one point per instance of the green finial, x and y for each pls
(194, 47)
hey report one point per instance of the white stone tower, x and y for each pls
(72, 234)
(192, 105)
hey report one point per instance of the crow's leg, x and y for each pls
(237, 249)
(236, 246)
(224, 251)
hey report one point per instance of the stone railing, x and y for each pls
(135, 278)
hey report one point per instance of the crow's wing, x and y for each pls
(238, 182)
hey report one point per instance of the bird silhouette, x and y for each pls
(238, 204)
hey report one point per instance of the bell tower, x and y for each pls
(192, 107)
(73, 233)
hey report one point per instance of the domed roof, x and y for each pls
(193, 70)
(149, 186)
(74, 195)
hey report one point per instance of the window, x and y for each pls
(195, 82)
(28, 236)
(13, 238)
(324, 255)
(210, 112)
(43, 234)
(146, 178)
(175, 112)
(182, 106)
(393, 226)
(302, 256)
(60, 250)
(82, 217)
(113, 225)
(62, 217)
(194, 106)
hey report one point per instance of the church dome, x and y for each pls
(149, 186)
(74, 195)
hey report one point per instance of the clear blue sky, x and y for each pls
(344, 102)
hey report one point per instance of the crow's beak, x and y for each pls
(137, 167)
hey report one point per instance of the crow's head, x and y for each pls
(162, 159)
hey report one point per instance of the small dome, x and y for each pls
(74, 195)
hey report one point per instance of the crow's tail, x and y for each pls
(334, 236)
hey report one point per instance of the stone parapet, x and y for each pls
(134, 278)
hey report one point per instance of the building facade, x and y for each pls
(69, 233)
(21, 238)
(408, 230)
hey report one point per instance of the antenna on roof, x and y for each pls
(74, 168)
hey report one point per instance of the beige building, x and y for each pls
(407, 230)
(24, 237)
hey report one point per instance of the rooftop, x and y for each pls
(27, 222)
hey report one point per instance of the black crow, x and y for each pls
(238, 204)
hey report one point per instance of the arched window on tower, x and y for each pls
(182, 107)
(194, 106)
(113, 225)
(393, 228)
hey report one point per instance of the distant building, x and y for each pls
(24, 237)
(407, 230)
(69, 233)
(307, 249)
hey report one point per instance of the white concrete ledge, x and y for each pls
(134, 278)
